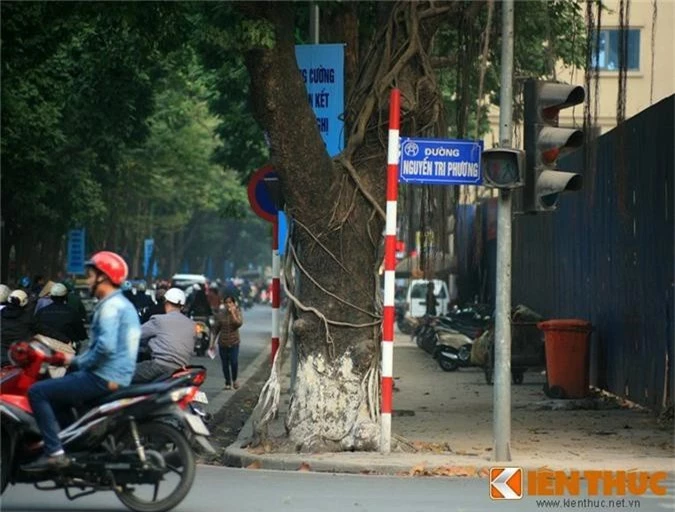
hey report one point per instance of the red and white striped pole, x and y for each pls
(389, 272)
(276, 287)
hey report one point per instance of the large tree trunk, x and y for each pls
(338, 210)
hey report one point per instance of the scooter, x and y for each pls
(198, 377)
(452, 349)
(125, 442)
(424, 333)
(406, 324)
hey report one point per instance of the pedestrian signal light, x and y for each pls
(503, 167)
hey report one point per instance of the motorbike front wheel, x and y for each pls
(447, 365)
(179, 467)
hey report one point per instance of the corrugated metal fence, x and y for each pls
(606, 255)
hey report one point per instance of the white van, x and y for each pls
(184, 281)
(417, 293)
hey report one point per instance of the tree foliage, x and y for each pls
(106, 125)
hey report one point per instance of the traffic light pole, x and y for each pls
(502, 342)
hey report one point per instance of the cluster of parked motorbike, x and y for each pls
(465, 337)
(448, 339)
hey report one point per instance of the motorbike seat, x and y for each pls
(165, 376)
(136, 390)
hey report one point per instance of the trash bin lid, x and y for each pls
(561, 324)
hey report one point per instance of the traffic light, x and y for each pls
(545, 142)
(502, 167)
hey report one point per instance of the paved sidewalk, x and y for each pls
(444, 423)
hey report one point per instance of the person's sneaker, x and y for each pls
(236, 385)
(227, 386)
(46, 462)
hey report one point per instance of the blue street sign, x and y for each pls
(148, 247)
(440, 161)
(76, 242)
(282, 232)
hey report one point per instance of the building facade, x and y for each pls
(650, 75)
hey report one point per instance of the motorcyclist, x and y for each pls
(128, 291)
(17, 322)
(200, 311)
(74, 301)
(199, 306)
(158, 307)
(44, 296)
(60, 321)
(169, 338)
(143, 301)
(214, 297)
(4, 295)
(108, 363)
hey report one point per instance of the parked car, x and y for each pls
(184, 281)
(417, 293)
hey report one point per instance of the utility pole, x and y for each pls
(314, 23)
(502, 342)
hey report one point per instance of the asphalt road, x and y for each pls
(218, 489)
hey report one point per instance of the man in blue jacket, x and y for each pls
(108, 364)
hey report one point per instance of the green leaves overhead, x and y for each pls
(133, 118)
(106, 124)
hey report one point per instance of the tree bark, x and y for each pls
(338, 210)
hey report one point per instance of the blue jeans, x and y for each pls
(70, 390)
(229, 358)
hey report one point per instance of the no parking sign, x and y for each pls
(264, 204)
(259, 197)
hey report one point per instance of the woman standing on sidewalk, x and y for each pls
(228, 320)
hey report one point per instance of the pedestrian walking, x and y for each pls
(228, 320)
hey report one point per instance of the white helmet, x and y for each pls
(4, 293)
(19, 297)
(175, 296)
(58, 290)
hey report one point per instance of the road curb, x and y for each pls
(414, 464)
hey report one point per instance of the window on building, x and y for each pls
(607, 56)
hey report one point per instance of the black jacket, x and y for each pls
(61, 322)
(17, 325)
(200, 304)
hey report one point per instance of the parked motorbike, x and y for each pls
(452, 349)
(126, 442)
(405, 323)
(425, 335)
